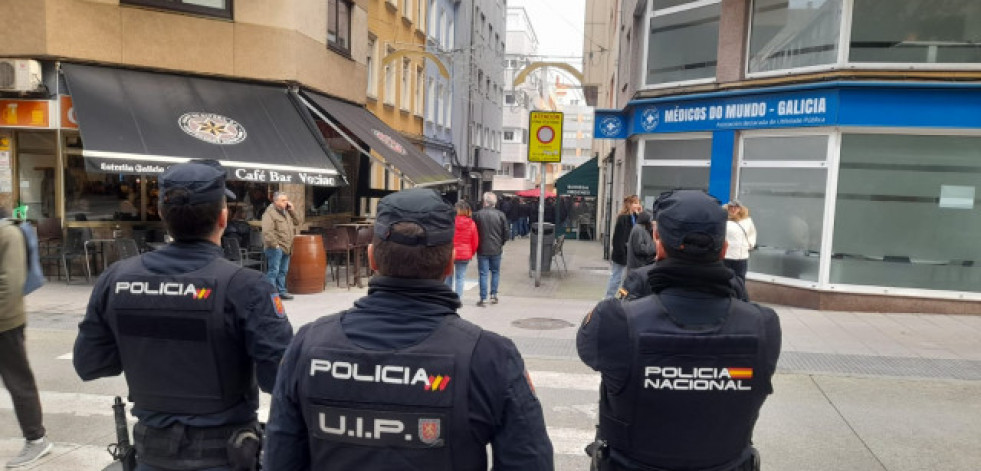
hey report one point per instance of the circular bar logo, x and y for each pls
(212, 128)
(389, 141)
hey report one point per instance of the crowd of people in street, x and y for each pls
(399, 380)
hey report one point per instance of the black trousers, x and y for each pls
(19, 381)
(738, 266)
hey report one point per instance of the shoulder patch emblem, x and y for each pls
(530, 384)
(622, 293)
(589, 317)
(278, 305)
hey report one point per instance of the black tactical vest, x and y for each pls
(390, 409)
(178, 352)
(693, 395)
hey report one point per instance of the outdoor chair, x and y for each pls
(74, 249)
(365, 235)
(557, 254)
(50, 239)
(126, 248)
(337, 241)
(236, 254)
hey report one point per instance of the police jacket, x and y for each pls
(193, 334)
(684, 371)
(636, 285)
(400, 382)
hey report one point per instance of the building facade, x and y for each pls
(477, 74)
(848, 127)
(516, 172)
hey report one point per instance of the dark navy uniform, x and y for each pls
(636, 285)
(194, 335)
(686, 369)
(400, 382)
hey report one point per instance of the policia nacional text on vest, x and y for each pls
(399, 409)
(699, 379)
(180, 358)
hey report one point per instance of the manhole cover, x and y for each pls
(541, 323)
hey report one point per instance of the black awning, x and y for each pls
(415, 166)
(143, 122)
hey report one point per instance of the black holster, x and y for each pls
(245, 448)
(599, 453)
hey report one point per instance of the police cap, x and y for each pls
(683, 214)
(203, 179)
(420, 206)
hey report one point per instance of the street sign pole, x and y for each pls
(544, 146)
(541, 226)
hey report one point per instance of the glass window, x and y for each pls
(917, 31)
(93, 196)
(404, 96)
(370, 65)
(389, 82)
(420, 86)
(678, 149)
(218, 8)
(656, 180)
(786, 204)
(903, 220)
(339, 25)
(788, 34)
(683, 43)
(792, 148)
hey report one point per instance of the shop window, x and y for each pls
(789, 35)
(670, 164)
(783, 180)
(216, 8)
(916, 31)
(93, 196)
(902, 220)
(35, 178)
(339, 25)
(683, 41)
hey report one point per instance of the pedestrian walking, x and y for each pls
(279, 226)
(193, 333)
(465, 242)
(686, 369)
(640, 243)
(492, 230)
(626, 219)
(741, 236)
(399, 381)
(15, 369)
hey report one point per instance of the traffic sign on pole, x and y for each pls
(545, 143)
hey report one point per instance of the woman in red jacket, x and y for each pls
(465, 244)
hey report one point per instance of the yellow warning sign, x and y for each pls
(545, 137)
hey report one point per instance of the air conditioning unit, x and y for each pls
(19, 75)
(448, 167)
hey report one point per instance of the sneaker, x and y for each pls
(493, 299)
(286, 296)
(481, 303)
(32, 451)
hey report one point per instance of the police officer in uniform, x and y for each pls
(686, 369)
(399, 381)
(192, 332)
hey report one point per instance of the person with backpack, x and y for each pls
(14, 366)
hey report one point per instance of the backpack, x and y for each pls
(35, 277)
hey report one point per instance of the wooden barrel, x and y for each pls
(308, 265)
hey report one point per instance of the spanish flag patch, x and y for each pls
(278, 305)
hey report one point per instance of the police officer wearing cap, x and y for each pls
(686, 369)
(399, 381)
(192, 332)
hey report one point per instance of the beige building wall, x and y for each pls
(394, 33)
(275, 40)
